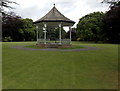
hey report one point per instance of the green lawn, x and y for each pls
(27, 69)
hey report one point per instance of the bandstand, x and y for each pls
(52, 22)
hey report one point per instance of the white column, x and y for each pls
(60, 34)
(37, 33)
(70, 33)
(45, 33)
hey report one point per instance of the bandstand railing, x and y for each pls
(48, 41)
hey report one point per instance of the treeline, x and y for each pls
(99, 26)
(96, 26)
(14, 28)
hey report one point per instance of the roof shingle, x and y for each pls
(54, 16)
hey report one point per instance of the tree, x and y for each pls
(53, 33)
(28, 29)
(14, 28)
(73, 34)
(112, 24)
(5, 4)
(90, 26)
(111, 2)
(11, 25)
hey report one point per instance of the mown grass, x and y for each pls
(27, 69)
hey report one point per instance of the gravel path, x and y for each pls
(87, 48)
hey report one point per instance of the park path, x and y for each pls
(86, 48)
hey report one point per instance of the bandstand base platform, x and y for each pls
(54, 45)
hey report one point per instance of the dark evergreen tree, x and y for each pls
(112, 24)
(11, 25)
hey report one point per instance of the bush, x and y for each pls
(7, 39)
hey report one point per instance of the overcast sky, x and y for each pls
(72, 9)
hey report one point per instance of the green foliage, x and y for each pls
(28, 29)
(112, 24)
(17, 28)
(90, 26)
(7, 39)
(53, 33)
(11, 24)
(98, 26)
(73, 34)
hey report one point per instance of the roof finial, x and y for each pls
(54, 4)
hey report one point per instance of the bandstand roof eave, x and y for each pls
(58, 21)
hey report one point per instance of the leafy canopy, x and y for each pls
(90, 27)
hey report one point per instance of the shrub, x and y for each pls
(7, 39)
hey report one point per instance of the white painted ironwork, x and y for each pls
(70, 33)
(60, 33)
(45, 25)
(37, 33)
(48, 41)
